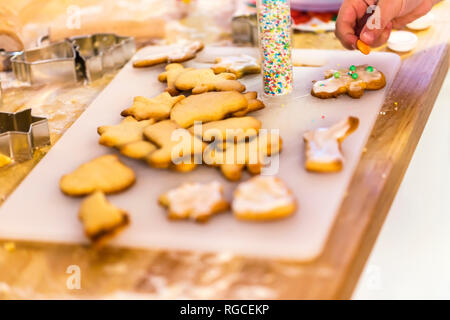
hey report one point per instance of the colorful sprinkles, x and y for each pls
(274, 19)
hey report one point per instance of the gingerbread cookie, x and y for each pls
(101, 219)
(128, 131)
(232, 129)
(353, 82)
(206, 107)
(172, 72)
(263, 198)
(106, 174)
(195, 201)
(204, 80)
(323, 146)
(238, 65)
(180, 53)
(177, 146)
(157, 108)
(234, 158)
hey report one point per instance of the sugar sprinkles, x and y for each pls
(274, 17)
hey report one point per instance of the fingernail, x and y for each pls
(368, 37)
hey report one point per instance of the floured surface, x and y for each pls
(38, 211)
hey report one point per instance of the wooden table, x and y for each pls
(30, 270)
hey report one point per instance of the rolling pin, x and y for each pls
(152, 28)
(10, 29)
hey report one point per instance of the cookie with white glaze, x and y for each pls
(353, 82)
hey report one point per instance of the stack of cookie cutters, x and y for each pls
(74, 59)
(21, 134)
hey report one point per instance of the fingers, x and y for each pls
(380, 23)
(383, 37)
(349, 13)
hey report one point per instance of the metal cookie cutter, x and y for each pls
(245, 29)
(103, 53)
(55, 62)
(75, 59)
(21, 133)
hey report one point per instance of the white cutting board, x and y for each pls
(38, 211)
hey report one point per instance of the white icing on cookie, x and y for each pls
(324, 143)
(184, 51)
(261, 194)
(333, 84)
(194, 200)
(237, 63)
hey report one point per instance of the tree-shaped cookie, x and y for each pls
(101, 219)
(323, 146)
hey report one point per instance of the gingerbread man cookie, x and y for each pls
(157, 108)
(204, 80)
(323, 146)
(106, 174)
(180, 53)
(353, 82)
(238, 65)
(263, 198)
(195, 201)
(101, 219)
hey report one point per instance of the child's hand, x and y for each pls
(389, 14)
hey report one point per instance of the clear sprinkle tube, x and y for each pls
(274, 27)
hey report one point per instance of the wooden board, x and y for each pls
(47, 215)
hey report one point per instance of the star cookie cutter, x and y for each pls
(21, 134)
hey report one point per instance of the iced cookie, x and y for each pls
(172, 72)
(234, 158)
(157, 108)
(101, 219)
(204, 80)
(129, 130)
(323, 146)
(194, 201)
(180, 53)
(206, 107)
(176, 146)
(238, 65)
(106, 174)
(353, 81)
(263, 198)
(231, 129)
